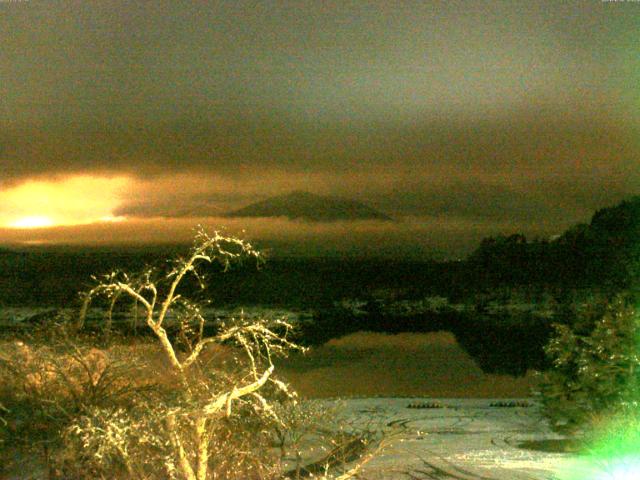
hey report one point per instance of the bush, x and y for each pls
(46, 384)
(596, 367)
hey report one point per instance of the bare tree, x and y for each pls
(157, 294)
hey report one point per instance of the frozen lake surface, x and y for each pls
(464, 439)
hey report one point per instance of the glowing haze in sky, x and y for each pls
(461, 119)
(69, 201)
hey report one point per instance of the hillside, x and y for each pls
(605, 252)
(311, 207)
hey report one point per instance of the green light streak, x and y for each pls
(612, 449)
(614, 455)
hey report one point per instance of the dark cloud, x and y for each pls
(544, 201)
(525, 143)
(465, 200)
(230, 86)
(185, 205)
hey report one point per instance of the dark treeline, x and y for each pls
(48, 277)
(589, 262)
(602, 254)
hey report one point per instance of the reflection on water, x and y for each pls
(406, 364)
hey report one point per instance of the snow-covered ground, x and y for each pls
(464, 439)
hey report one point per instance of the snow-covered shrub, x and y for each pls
(596, 366)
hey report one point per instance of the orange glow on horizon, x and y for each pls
(76, 200)
(33, 222)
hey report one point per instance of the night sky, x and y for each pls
(133, 121)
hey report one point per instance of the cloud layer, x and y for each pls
(522, 115)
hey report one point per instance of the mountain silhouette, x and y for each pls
(311, 207)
